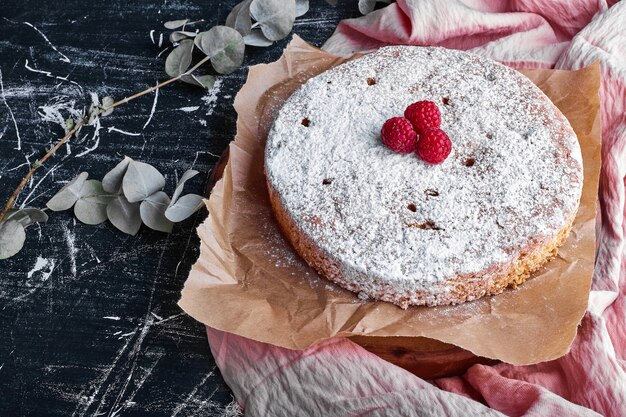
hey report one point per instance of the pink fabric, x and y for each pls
(339, 378)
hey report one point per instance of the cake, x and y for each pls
(393, 228)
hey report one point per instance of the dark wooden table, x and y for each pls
(90, 325)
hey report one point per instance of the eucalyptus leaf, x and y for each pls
(67, 196)
(302, 7)
(224, 46)
(28, 216)
(112, 181)
(181, 183)
(184, 207)
(124, 215)
(91, 207)
(12, 237)
(106, 102)
(152, 211)
(205, 81)
(179, 59)
(141, 180)
(175, 24)
(276, 17)
(367, 6)
(239, 18)
(179, 35)
(257, 38)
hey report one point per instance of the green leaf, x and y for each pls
(67, 196)
(367, 6)
(141, 180)
(184, 207)
(27, 216)
(206, 81)
(257, 38)
(179, 35)
(12, 237)
(152, 211)
(91, 207)
(106, 102)
(124, 215)
(112, 181)
(179, 59)
(175, 24)
(302, 7)
(276, 17)
(181, 183)
(239, 18)
(224, 46)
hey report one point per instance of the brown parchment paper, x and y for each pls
(249, 281)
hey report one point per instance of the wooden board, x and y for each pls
(422, 356)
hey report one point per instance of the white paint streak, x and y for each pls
(40, 264)
(123, 132)
(152, 35)
(6, 103)
(210, 98)
(112, 318)
(154, 104)
(53, 111)
(160, 39)
(189, 109)
(95, 137)
(163, 51)
(33, 188)
(43, 265)
(96, 125)
(63, 57)
(129, 401)
(182, 405)
(101, 381)
(27, 157)
(49, 74)
(70, 239)
(133, 355)
(161, 321)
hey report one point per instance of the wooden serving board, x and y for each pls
(422, 356)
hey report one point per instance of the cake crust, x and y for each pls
(392, 228)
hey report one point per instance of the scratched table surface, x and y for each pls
(89, 320)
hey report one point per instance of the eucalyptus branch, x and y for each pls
(256, 23)
(152, 89)
(37, 164)
(97, 112)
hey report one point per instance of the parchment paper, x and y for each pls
(249, 281)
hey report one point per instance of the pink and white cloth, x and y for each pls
(338, 377)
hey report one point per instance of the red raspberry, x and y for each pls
(434, 146)
(398, 135)
(423, 115)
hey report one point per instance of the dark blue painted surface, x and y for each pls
(88, 315)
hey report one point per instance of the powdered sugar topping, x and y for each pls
(514, 176)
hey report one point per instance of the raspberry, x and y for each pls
(398, 135)
(423, 115)
(434, 146)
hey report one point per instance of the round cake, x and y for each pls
(392, 227)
